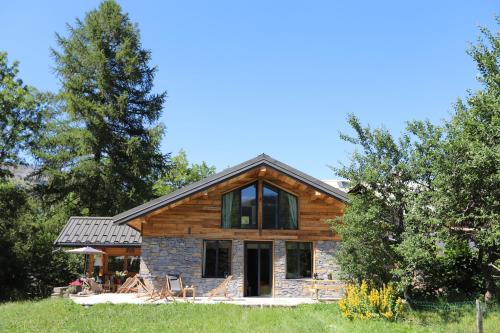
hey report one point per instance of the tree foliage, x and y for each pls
(466, 187)
(103, 143)
(375, 218)
(426, 210)
(21, 109)
(96, 144)
(181, 174)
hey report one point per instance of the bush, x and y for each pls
(71, 290)
(361, 303)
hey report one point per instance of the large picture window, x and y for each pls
(298, 260)
(239, 208)
(216, 258)
(279, 209)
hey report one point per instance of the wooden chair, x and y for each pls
(176, 286)
(94, 287)
(130, 285)
(221, 289)
(155, 294)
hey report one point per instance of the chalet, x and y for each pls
(261, 221)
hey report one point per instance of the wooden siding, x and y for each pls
(200, 214)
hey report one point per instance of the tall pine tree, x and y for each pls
(102, 146)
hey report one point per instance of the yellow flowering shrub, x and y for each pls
(362, 302)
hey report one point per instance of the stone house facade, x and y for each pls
(262, 222)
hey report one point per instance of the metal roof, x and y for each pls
(97, 231)
(261, 160)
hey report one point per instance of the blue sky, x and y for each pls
(246, 77)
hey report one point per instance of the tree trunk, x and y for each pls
(489, 281)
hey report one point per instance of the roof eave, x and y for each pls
(135, 245)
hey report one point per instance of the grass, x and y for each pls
(62, 315)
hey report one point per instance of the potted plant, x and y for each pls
(120, 277)
(75, 287)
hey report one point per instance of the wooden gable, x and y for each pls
(199, 215)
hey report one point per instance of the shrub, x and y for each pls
(361, 303)
(71, 290)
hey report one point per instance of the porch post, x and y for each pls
(105, 264)
(91, 265)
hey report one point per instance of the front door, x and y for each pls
(258, 268)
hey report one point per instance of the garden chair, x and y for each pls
(94, 287)
(130, 285)
(155, 294)
(176, 286)
(221, 289)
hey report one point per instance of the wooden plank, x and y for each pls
(200, 215)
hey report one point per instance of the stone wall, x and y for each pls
(323, 264)
(162, 255)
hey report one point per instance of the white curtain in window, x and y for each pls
(228, 206)
(292, 204)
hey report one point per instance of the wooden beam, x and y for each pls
(259, 206)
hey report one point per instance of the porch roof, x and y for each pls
(261, 160)
(97, 231)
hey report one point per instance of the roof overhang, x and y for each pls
(60, 244)
(259, 161)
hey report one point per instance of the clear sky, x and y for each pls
(246, 77)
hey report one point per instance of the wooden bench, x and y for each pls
(317, 285)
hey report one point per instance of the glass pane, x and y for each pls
(292, 263)
(305, 261)
(210, 259)
(224, 268)
(298, 260)
(269, 207)
(235, 210)
(287, 211)
(249, 207)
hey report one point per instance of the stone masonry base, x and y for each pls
(162, 255)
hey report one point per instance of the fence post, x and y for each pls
(479, 317)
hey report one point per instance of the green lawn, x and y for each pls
(65, 316)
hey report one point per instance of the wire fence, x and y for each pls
(452, 311)
(450, 306)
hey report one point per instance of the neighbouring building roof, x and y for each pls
(341, 184)
(261, 160)
(97, 231)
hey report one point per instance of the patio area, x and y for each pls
(133, 298)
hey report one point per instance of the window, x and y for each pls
(239, 208)
(216, 259)
(298, 260)
(279, 209)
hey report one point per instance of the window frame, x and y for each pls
(239, 189)
(278, 218)
(203, 263)
(298, 260)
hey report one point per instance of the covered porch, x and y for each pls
(120, 244)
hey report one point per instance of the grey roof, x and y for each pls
(97, 231)
(261, 160)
